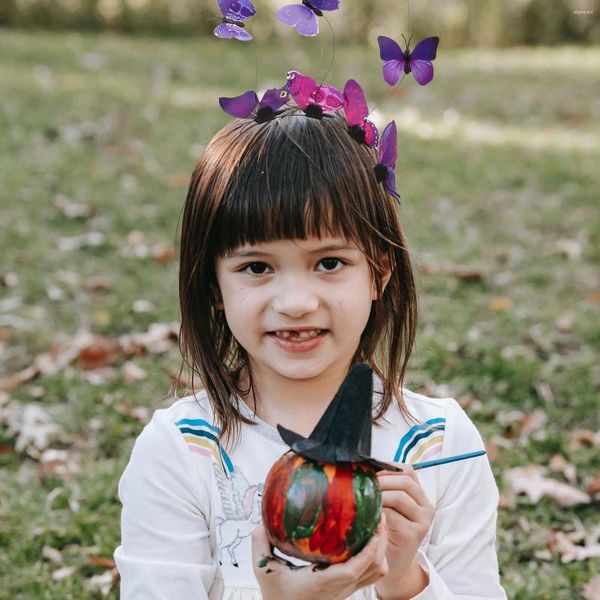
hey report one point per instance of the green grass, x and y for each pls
(494, 189)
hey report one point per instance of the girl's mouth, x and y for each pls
(298, 340)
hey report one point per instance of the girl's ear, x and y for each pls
(219, 300)
(385, 277)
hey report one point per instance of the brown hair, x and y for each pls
(290, 178)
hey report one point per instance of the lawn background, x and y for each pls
(498, 171)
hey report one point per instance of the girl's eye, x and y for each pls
(258, 268)
(330, 263)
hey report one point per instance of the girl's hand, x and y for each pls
(409, 516)
(334, 582)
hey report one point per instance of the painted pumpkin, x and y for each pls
(320, 512)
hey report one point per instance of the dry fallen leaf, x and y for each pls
(501, 303)
(133, 373)
(530, 480)
(560, 464)
(101, 583)
(593, 486)
(63, 573)
(456, 271)
(32, 424)
(564, 544)
(533, 421)
(591, 590)
(584, 437)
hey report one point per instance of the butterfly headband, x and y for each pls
(320, 100)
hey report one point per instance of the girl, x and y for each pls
(293, 268)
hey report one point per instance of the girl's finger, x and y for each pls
(402, 503)
(356, 567)
(261, 550)
(405, 483)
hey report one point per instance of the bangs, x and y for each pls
(298, 177)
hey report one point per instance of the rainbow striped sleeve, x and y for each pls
(422, 442)
(201, 438)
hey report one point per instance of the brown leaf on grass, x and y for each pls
(464, 273)
(179, 180)
(97, 283)
(70, 209)
(56, 462)
(584, 438)
(32, 425)
(530, 480)
(94, 352)
(533, 421)
(63, 573)
(560, 464)
(593, 486)
(17, 379)
(52, 554)
(593, 297)
(500, 303)
(102, 583)
(163, 253)
(591, 590)
(160, 337)
(133, 373)
(101, 561)
(98, 352)
(141, 413)
(568, 548)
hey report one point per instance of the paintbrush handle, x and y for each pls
(449, 459)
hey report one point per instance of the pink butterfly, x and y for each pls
(313, 99)
(356, 110)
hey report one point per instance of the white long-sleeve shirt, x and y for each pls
(189, 506)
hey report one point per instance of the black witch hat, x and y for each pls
(343, 434)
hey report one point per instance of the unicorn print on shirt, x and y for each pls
(241, 504)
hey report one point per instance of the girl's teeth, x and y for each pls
(298, 335)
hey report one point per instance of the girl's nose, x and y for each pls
(295, 299)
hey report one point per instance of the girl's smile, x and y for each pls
(299, 341)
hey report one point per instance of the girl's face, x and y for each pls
(318, 283)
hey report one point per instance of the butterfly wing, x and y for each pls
(390, 184)
(301, 17)
(239, 10)
(230, 31)
(422, 70)
(388, 150)
(420, 59)
(301, 88)
(326, 4)
(240, 106)
(371, 133)
(389, 49)
(426, 49)
(388, 153)
(275, 98)
(328, 98)
(355, 106)
(393, 57)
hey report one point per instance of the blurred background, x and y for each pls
(105, 107)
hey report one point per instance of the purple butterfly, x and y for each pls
(234, 12)
(356, 109)
(246, 104)
(388, 152)
(397, 60)
(313, 99)
(304, 16)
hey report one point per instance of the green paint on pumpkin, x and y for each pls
(367, 498)
(308, 486)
